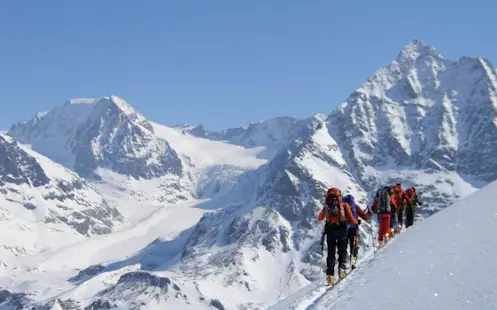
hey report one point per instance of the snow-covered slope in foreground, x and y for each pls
(444, 262)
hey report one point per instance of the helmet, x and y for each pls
(333, 191)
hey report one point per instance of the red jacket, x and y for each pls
(400, 196)
(410, 193)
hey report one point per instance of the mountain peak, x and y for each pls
(113, 100)
(319, 117)
(120, 103)
(416, 49)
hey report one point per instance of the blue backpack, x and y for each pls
(350, 200)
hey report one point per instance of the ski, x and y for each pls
(328, 287)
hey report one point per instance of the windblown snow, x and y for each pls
(104, 209)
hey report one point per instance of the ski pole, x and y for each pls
(322, 241)
(372, 236)
(323, 234)
(372, 231)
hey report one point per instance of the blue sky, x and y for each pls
(219, 63)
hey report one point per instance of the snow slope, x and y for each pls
(445, 262)
(61, 273)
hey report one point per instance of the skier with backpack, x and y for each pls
(401, 201)
(353, 232)
(382, 205)
(411, 206)
(336, 212)
(393, 211)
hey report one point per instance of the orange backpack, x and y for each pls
(334, 209)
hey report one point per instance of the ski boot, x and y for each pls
(331, 280)
(341, 273)
(387, 236)
(381, 243)
(353, 262)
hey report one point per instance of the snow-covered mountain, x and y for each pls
(44, 206)
(445, 262)
(233, 223)
(422, 114)
(85, 134)
(107, 141)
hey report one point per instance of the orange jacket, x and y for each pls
(400, 196)
(393, 198)
(348, 214)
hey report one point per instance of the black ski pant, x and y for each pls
(353, 236)
(400, 216)
(393, 220)
(337, 242)
(410, 215)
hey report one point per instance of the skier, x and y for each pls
(382, 205)
(336, 212)
(401, 200)
(393, 211)
(353, 232)
(411, 206)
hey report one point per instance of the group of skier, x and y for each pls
(343, 217)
